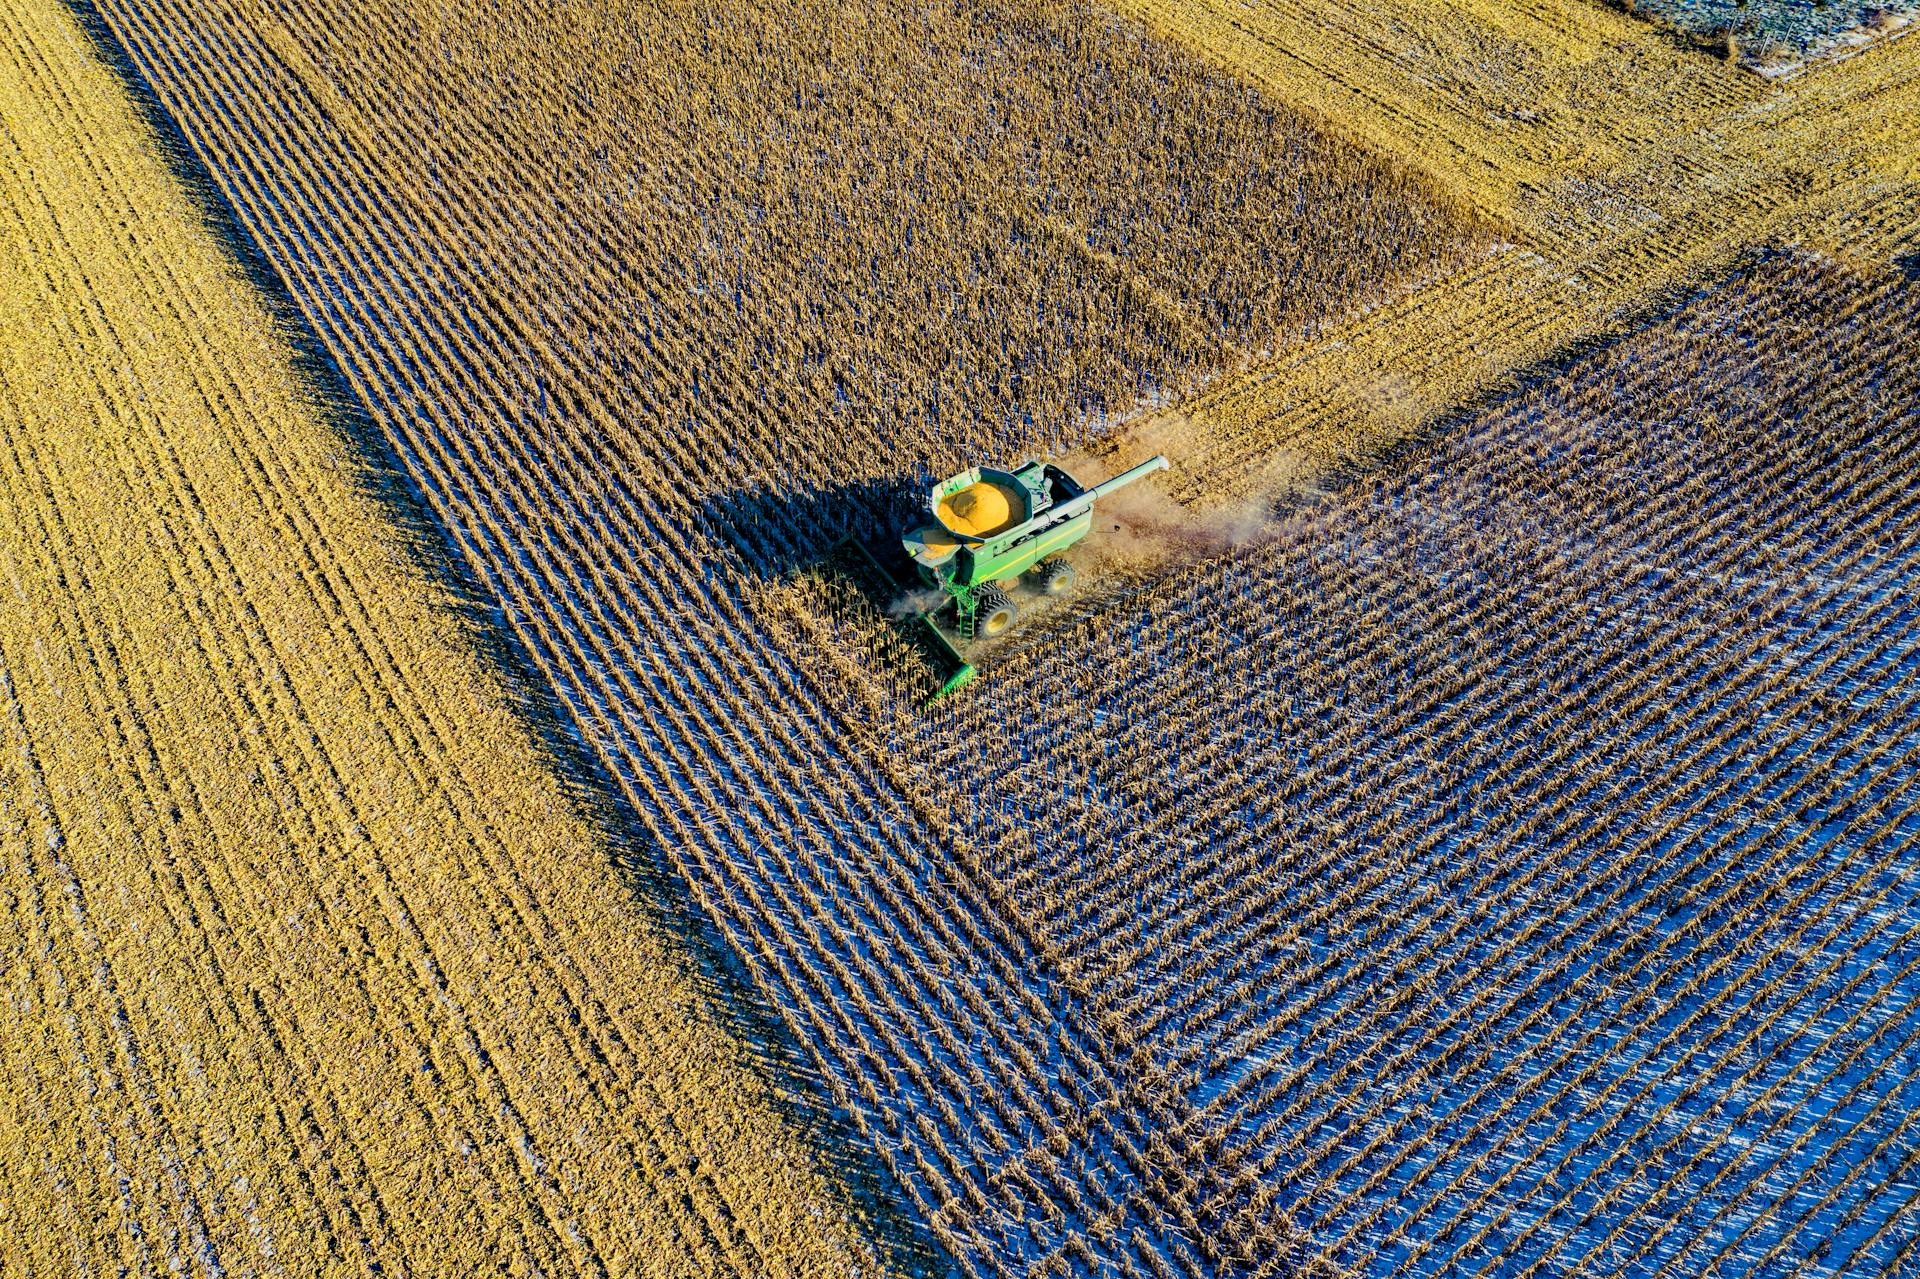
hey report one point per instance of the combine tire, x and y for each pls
(993, 614)
(1055, 577)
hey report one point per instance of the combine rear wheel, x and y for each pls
(1054, 577)
(993, 612)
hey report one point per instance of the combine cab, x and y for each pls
(991, 531)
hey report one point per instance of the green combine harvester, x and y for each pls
(991, 531)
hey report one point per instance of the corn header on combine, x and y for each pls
(992, 532)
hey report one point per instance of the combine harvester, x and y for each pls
(991, 530)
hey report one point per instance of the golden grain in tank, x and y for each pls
(982, 509)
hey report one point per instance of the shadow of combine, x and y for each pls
(861, 587)
(774, 532)
(427, 542)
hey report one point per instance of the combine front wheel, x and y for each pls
(993, 612)
(1055, 577)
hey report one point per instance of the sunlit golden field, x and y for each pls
(312, 966)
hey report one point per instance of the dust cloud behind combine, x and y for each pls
(922, 600)
(1143, 528)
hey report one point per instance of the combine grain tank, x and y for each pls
(992, 528)
(992, 531)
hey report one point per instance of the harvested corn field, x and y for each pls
(1629, 172)
(1457, 824)
(313, 967)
